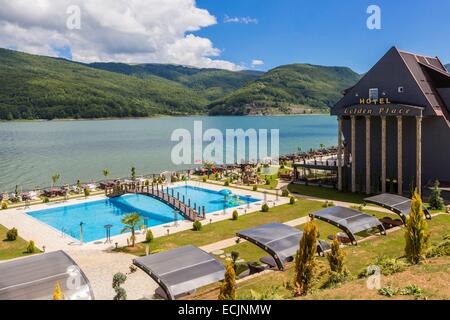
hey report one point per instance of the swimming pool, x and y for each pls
(210, 199)
(96, 215)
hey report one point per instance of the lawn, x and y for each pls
(326, 193)
(227, 229)
(11, 249)
(358, 258)
(250, 252)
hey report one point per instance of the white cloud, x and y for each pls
(242, 20)
(133, 31)
(257, 62)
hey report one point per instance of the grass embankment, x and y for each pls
(226, 229)
(11, 249)
(435, 271)
(326, 193)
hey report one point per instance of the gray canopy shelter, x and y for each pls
(181, 270)
(35, 278)
(350, 221)
(279, 240)
(398, 204)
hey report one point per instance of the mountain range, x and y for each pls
(38, 87)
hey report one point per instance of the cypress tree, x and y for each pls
(336, 258)
(305, 260)
(228, 289)
(416, 235)
(58, 294)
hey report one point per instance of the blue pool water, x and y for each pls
(211, 200)
(95, 215)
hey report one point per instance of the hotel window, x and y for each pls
(401, 89)
(373, 94)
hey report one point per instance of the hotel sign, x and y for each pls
(382, 110)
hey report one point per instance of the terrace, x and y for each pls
(218, 237)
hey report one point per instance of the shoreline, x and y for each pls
(164, 116)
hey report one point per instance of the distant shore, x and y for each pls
(166, 116)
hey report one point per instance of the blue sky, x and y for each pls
(328, 32)
(227, 34)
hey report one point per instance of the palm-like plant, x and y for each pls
(106, 173)
(131, 222)
(55, 179)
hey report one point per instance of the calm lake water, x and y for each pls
(31, 152)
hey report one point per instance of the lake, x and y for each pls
(31, 152)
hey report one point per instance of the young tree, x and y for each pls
(58, 294)
(305, 260)
(131, 222)
(336, 257)
(106, 173)
(435, 199)
(228, 288)
(416, 235)
(133, 173)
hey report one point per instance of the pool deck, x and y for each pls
(95, 258)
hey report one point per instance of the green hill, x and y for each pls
(36, 87)
(297, 88)
(210, 83)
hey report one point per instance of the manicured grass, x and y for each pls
(326, 193)
(358, 257)
(227, 229)
(250, 252)
(11, 249)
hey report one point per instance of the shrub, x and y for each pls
(204, 179)
(285, 193)
(4, 205)
(409, 290)
(235, 215)
(227, 183)
(267, 182)
(270, 294)
(255, 188)
(12, 234)
(228, 288)
(45, 200)
(328, 204)
(440, 250)
(292, 200)
(149, 236)
(119, 279)
(335, 279)
(416, 234)
(387, 266)
(435, 199)
(265, 208)
(197, 225)
(87, 192)
(31, 247)
(305, 260)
